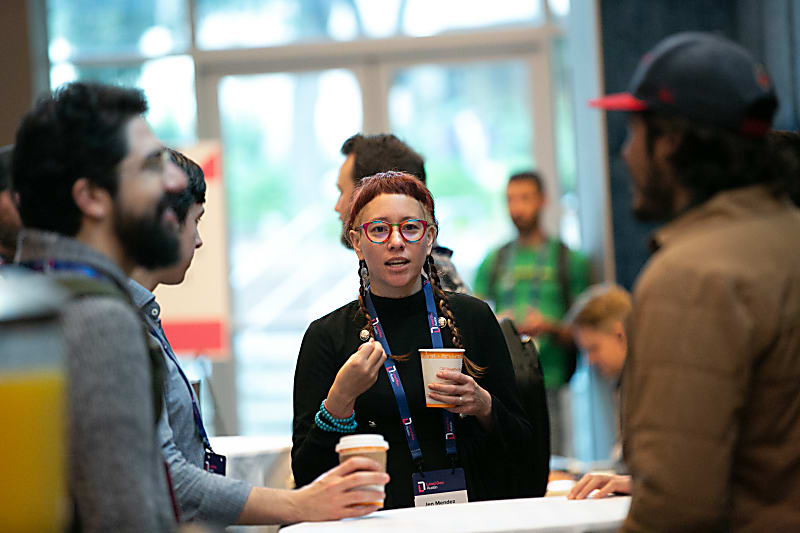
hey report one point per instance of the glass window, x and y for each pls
(564, 123)
(281, 135)
(472, 123)
(255, 23)
(168, 84)
(79, 28)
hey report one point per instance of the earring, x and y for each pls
(364, 273)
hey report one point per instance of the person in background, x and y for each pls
(367, 155)
(597, 319)
(201, 495)
(10, 223)
(533, 280)
(344, 382)
(710, 396)
(790, 140)
(92, 182)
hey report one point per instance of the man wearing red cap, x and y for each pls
(711, 388)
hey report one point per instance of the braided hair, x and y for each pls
(405, 184)
(443, 303)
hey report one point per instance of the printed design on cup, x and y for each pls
(432, 361)
(441, 356)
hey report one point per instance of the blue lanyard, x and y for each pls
(198, 419)
(72, 266)
(397, 386)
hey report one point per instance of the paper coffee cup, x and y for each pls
(433, 360)
(364, 445)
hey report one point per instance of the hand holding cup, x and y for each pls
(463, 393)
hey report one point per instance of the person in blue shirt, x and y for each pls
(202, 495)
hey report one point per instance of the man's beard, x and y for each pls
(146, 240)
(526, 226)
(655, 199)
(8, 235)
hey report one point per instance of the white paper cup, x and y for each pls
(364, 445)
(433, 360)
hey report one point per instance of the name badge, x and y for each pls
(439, 487)
(214, 463)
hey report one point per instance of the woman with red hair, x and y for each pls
(345, 383)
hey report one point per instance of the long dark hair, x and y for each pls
(407, 185)
(709, 159)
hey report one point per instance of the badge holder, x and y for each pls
(214, 463)
(439, 487)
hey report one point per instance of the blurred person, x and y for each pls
(345, 384)
(597, 320)
(92, 182)
(200, 494)
(367, 155)
(711, 405)
(533, 279)
(790, 140)
(10, 223)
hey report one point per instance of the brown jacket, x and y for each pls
(711, 388)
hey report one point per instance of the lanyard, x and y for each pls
(198, 419)
(397, 386)
(72, 266)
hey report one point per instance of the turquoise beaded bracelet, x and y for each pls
(325, 421)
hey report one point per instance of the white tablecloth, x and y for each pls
(503, 516)
(261, 461)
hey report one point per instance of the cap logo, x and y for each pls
(665, 95)
(762, 79)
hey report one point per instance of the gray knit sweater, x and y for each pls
(116, 471)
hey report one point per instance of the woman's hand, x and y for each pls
(605, 484)
(468, 397)
(337, 494)
(358, 374)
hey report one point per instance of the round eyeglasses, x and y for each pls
(379, 231)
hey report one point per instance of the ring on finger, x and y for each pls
(460, 399)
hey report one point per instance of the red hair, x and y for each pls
(391, 182)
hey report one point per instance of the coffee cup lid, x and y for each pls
(362, 440)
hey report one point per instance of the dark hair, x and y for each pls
(195, 191)
(76, 132)
(6, 152)
(528, 175)
(380, 153)
(790, 141)
(709, 159)
(408, 185)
